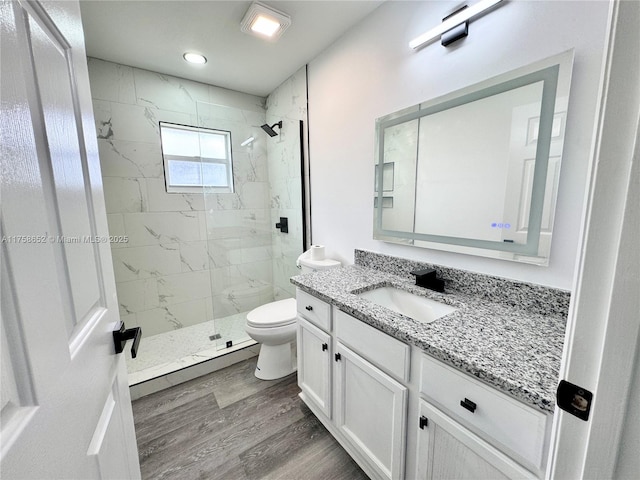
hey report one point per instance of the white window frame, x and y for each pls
(227, 160)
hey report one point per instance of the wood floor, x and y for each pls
(230, 425)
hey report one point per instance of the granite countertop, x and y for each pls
(513, 349)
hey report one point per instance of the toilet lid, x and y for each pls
(274, 314)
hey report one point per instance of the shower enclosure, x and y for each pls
(240, 259)
(250, 259)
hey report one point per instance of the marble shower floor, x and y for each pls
(168, 352)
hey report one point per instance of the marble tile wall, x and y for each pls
(179, 245)
(289, 104)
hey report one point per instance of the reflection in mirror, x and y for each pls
(476, 171)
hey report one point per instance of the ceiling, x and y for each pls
(154, 34)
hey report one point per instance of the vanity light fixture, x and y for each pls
(463, 15)
(194, 58)
(264, 21)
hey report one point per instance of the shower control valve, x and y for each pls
(283, 225)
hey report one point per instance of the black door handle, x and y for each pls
(324, 347)
(121, 335)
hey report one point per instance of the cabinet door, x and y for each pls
(447, 450)
(314, 365)
(371, 411)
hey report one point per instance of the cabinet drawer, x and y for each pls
(519, 428)
(387, 353)
(314, 310)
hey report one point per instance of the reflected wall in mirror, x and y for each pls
(476, 171)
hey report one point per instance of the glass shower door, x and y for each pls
(250, 262)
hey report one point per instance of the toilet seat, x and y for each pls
(274, 314)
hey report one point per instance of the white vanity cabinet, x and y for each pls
(402, 414)
(351, 377)
(371, 411)
(478, 422)
(370, 400)
(314, 365)
(447, 450)
(315, 347)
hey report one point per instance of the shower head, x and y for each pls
(270, 130)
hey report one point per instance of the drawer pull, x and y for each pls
(308, 308)
(324, 346)
(424, 422)
(468, 404)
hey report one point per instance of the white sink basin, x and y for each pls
(419, 308)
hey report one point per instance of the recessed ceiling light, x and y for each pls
(264, 21)
(194, 58)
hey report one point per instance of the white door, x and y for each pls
(602, 345)
(522, 158)
(371, 411)
(66, 409)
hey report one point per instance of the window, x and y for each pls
(195, 158)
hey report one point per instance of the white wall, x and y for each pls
(371, 72)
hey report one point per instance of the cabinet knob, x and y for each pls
(308, 308)
(468, 404)
(337, 357)
(324, 347)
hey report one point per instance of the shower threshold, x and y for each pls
(165, 353)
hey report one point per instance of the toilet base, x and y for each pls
(275, 361)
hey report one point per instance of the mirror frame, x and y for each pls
(555, 73)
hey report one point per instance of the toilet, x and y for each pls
(274, 326)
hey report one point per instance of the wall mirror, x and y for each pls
(476, 171)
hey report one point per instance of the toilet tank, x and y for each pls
(308, 265)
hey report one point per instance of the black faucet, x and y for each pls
(427, 278)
